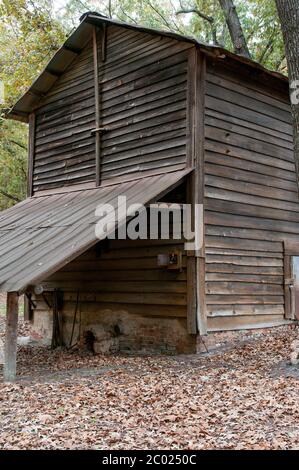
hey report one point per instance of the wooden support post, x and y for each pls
(288, 281)
(10, 351)
(195, 159)
(191, 270)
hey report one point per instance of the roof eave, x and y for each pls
(77, 41)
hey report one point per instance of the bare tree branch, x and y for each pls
(165, 21)
(126, 14)
(267, 49)
(195, 10)
(18, 144)
(9, 196)
(204, 17)
(110, 9)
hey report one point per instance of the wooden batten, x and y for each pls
(95, 42)
(10, 351)
(104, 43)
(31, 146)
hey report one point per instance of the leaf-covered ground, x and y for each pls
(242, 398)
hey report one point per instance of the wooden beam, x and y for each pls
(191, 88)
(191, 269)
(195, 158)
(31, 148)
(10, 351)
(104, 43)
(97, 105)
(288, 281)
(200, 81)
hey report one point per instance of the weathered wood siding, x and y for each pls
(124, 276)
(251, 199)
(143, 103)
(64, 147)
(143, 90)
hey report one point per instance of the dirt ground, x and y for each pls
(245, 397)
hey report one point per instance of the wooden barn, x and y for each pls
(126, 110)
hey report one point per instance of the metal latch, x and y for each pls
(100, 129)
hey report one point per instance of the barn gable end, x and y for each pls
(141, 94)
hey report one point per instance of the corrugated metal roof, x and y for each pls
(78, 39)
(41, 234)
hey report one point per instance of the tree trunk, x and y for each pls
(288, 11)
(235, 28)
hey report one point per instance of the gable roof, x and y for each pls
(79, 38)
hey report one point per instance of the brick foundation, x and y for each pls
(121, 332)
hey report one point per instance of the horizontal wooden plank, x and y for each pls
(236, 310)
(244, 128)
(91, 306)
(140, 298)
(231, 220)
(234, 109)
(238, 277)
(259, 202)
(238, 252)
(118, 288)
(249, 176)
(244, 269)
(132, 275)
(244, 322)
(100, 265)
(244, 260)
(220, 74)
(253, 233)
(251, 144)
(244, 154)
(239, 243)
(244, 100)
(241, 288)
(134, 253)
(254, 210)
(161, 162)
(220, 299)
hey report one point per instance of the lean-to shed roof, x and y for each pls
(42, 234)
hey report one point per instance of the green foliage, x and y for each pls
(13, 162)
(29, 36)
(259, 20)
